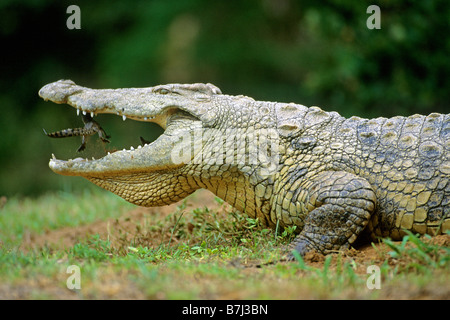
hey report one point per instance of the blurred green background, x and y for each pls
(310, 52)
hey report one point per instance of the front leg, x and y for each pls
(343, 204)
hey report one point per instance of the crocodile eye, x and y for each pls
(162, 91)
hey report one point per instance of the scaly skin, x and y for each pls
(336, 179)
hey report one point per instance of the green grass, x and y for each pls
(423, 257)
(23, 216)
(195, 253)
(204, 234)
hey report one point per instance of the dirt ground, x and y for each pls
(123, 230)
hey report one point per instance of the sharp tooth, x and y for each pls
(124, 118)
(145, 118)
(93, 158)
(92, 114)
(139, 146)
(124, 149)
(78, 112)
(53, 156)
(131, 148)
(84, 112)
(109, 153)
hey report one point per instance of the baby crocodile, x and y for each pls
(90, 127)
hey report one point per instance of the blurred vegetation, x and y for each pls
(314, 53)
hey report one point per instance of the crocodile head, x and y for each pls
(160, 172)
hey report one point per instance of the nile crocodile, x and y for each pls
(336, 179)
(90, 127)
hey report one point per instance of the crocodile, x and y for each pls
(90, 127)
(336, 179)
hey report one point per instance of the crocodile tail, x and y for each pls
(68, 133)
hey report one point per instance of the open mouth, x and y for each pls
(145, 157)
(92, 128)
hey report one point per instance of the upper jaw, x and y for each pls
(143, 104)
(129, 103)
